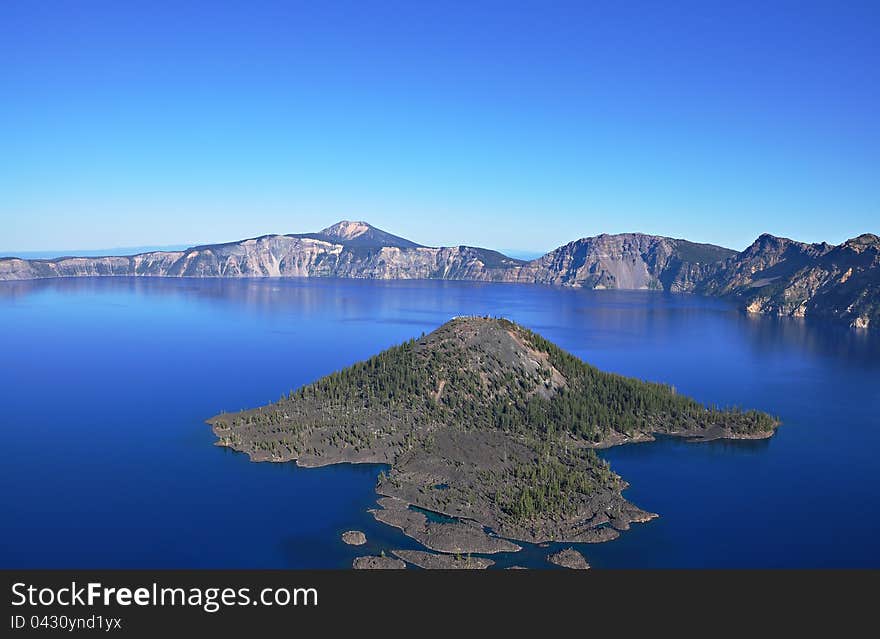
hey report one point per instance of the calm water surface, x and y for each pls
(107, 461)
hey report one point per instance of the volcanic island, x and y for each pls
(489, 432)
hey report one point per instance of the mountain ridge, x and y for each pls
(774, 275)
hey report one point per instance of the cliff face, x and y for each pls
(782, 277)
(159, 263)
(625, 261)
(340, 251)
(774, 275)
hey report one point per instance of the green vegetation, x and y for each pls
(550, 486)
(481, 390)
(594, 404)
(440, 379)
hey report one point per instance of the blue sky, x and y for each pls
(502, 124)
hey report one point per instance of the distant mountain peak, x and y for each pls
(864, 240)
(769, 238)
(768, 242)
(360, 234)
(348, 229)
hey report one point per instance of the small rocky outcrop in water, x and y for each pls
(569, 558)
(377, 562)
(354, 538)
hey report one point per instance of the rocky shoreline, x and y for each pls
(454, 536)
(435, 561)
(377, 562)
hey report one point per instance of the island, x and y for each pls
(569, 558)
(354, 538)
(490, 435)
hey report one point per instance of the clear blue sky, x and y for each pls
(501, 124)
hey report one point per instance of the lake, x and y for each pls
(107, 462)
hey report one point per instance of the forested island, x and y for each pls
(489, 425)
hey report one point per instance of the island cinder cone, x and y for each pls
(486, 422)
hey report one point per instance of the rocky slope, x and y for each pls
(625, 261)
(346, 249)
(774, 275)
(787, 278)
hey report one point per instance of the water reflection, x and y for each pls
(819, 337)
(601, 319)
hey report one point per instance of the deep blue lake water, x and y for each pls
(107, 462)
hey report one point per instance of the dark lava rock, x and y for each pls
(569, 558)
(354, 538)
(375, 562)
(434, 561)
